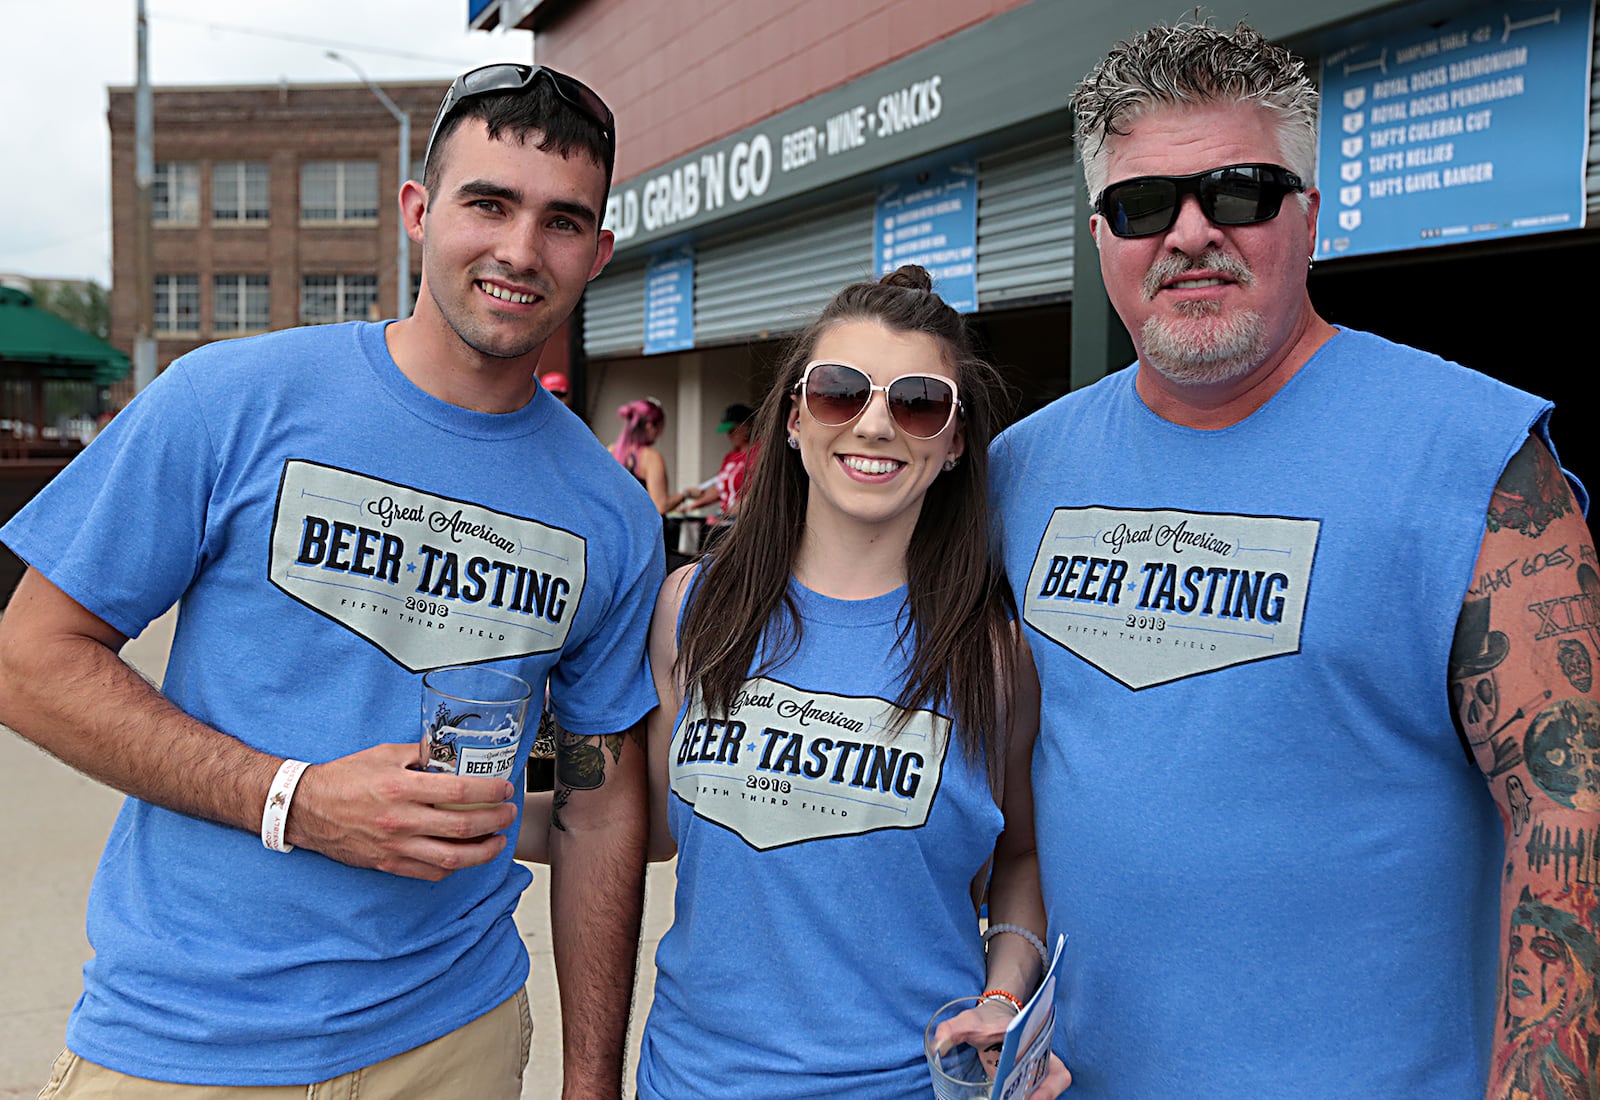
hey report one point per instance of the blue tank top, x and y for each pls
(825, 864)
(1275, 863)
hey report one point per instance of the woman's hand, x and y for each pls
(984, 1027)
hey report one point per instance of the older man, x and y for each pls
(1303, 603)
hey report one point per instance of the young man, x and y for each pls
(1276, 576)
(336, 511)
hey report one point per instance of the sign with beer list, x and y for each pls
(931, 219)
(1465, 130)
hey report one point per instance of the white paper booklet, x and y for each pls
(1026, 1053)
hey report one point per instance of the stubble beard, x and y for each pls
(486, 338)
(1200, 344)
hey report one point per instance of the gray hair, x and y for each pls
(1194, 63)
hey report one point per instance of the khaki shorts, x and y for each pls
(483, 1060)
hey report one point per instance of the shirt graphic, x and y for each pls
(1153, 596)
(429, 580)
(787, 765)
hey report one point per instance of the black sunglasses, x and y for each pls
(507, 76)
(1240, 194)
(834, 394)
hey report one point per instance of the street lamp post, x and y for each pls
(403, 260)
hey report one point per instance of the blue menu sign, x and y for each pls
(1466, 130)
(669, 302)
(932, 221)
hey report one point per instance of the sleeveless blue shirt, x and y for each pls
(825, 864)
(1275, 863)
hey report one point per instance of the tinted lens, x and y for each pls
(921, 404)
(581, 96)
(836, 394)
(491, 78)
(1141, 207)
(1240, 196)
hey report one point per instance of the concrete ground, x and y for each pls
(55, 822)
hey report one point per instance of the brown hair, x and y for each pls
(561, 128)
(958, 607)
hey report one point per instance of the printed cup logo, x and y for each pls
(466, 751)
(472, 720)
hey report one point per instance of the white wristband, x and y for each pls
(275, 814)
(1017, 929)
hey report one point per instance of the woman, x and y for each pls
(846, 721)
(634, 448)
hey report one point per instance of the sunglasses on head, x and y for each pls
(834, 394)
(1240, 194)
(507, 76)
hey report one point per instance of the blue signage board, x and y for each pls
(1462, 130)
(669, 302)
(931, 220)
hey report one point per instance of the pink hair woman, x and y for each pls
(635, 447)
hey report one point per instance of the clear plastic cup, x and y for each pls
(958, 1073)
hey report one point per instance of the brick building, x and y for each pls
(272, 206)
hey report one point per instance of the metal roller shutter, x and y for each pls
(613, 312)
(777, 278)
(1025, 222)
(1591, 179)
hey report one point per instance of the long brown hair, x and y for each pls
(958, 607)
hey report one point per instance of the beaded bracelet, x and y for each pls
(1001, 995)
(1017, 929)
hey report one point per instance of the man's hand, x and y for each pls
(375, 809)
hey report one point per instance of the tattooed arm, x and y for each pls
(1522, 681)
(596, 844)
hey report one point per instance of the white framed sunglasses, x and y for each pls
(834, 394)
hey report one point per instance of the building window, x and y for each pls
(239, 191)
(239, 303)
(175, 193)
(177, 303)
(339, 191)
(325, 299)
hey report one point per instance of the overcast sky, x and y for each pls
(57, 59)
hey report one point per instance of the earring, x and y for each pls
(794, 444)
(950, 464)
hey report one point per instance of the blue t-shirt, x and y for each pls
(1276, 864)
(825, 869)
(332, 532)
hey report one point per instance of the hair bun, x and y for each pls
(910, 277)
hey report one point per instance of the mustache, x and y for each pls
(1174, 264)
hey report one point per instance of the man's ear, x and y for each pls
(602, 252)
(413, 208)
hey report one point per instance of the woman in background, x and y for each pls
(847, 713)
(635, 447)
